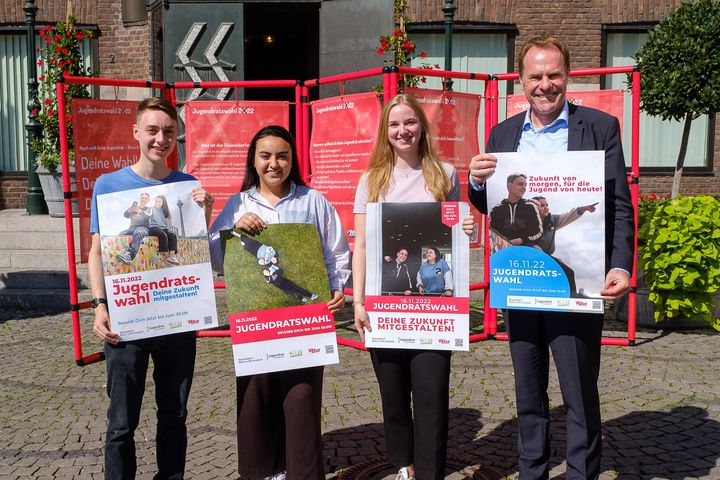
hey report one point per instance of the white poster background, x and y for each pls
(164, 301)
(417, 322)
(567, 180)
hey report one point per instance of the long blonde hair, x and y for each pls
(382, 160)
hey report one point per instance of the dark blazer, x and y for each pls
(588, 129)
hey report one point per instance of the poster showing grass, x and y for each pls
(298, 256)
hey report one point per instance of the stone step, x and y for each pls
(35, 241)
(16, 220)
(47, 299)
(42, 279)
(33, 260)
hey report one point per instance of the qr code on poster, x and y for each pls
(459, 342)
(329, 349)
(597, 304)
(207, 319)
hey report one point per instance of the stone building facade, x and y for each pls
(135, 49)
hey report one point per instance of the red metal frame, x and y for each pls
(168, 91)
(390, 77)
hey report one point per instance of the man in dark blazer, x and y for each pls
(553, 124)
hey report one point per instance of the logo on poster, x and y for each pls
(192, 321)
(442, 341)
(313, 350)
(296, 353)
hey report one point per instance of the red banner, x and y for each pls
(453, 121)
(609, 101)
(218, 134)
(103, 135)
(342, 140)
(279, 323)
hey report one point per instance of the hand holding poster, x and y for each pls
(547, 230)
(417, 283)
(277, 289)
(156, 261)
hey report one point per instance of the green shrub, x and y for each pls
(681, 255)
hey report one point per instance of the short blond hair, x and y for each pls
(156, 103)
(547, 42)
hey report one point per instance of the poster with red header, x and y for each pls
(453, 119)
(103, 137)
(609, 101)
(277, 293)
(343, 136)
(417, 283)
(218, 134)
(283, 339)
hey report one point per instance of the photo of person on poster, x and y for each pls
(162, 227)
(396, 276)
(551, 223)
(516, 219)
(434, 275)
(139, 214)
(268, 260)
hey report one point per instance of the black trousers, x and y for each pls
(415, 436)
(278, 424)
(574, 339)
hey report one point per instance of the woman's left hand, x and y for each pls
(337, 302)
(468, 225)
(448, 293)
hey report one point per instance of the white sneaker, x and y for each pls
(277, 476)
(172, 260)
(403, 475)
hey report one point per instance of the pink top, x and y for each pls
(407, 186)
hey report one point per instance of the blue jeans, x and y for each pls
(127, 363)
(138, 234)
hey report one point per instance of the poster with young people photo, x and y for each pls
(156, 261)
(546, 213)
(417, 283)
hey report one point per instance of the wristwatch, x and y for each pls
(97, 301)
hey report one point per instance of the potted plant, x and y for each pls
(59, 56)
(679, 262)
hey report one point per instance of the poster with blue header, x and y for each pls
(546, 213)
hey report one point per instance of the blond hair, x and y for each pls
(382, 160)
(545, 42)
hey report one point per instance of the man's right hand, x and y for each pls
(101, 326)
(482, 166)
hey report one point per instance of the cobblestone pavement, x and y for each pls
(660, 404)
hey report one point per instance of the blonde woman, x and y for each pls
(405, 168)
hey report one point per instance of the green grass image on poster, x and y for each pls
(298, 255)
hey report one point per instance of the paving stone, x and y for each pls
(660, 404)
